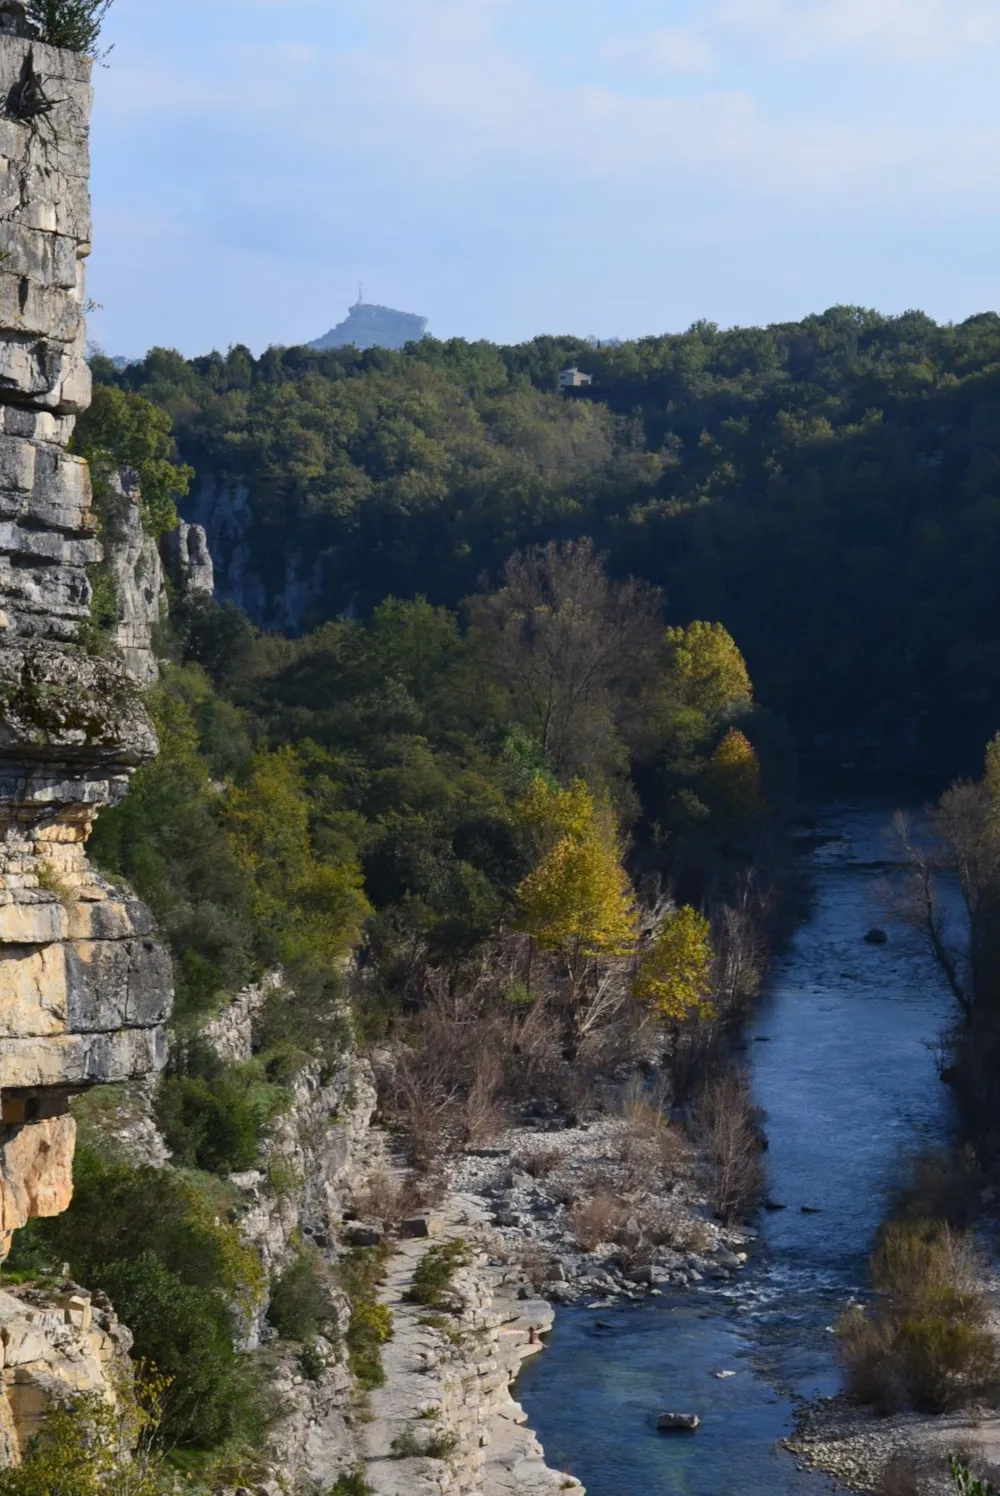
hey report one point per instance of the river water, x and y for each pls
(841, 1053)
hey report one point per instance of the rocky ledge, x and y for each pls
(446, 1424)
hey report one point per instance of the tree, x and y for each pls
(571, 648)
(675, 974)
(122, 431)
(579, 900)
(966, 846)
(311, 910)
(704, 668)
(548, 813)
(74, 24)
(732, 779)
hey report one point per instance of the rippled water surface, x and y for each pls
(843, 1065)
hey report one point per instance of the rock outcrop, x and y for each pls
(53, 1347)
(84, 984)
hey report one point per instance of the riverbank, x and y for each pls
(859, 1449)
(612, 1208)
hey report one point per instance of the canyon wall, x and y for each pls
(84, 984)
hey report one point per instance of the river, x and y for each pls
(841, 1054)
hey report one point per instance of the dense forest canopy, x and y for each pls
(829, 490)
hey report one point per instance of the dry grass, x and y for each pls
(540, 1163)
(537, 1266)
(388, 1199)
(599, 1219)
(470, 1056)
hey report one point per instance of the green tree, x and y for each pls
(311, 910)
(123, 431)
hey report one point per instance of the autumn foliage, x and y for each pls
(578, 899)
(675, 973)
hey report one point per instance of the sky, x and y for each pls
(514, 167)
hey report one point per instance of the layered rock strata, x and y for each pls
(84, 984)
(53, 1348)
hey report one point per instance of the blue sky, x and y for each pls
(512, 167)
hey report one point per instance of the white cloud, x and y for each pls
(668, 51)
(871, 30)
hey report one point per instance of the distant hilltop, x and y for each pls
(369, 326)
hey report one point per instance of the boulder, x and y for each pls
(364, 1236)
(678, 1423)
(416, 1228)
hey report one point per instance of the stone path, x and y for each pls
(451, 1381)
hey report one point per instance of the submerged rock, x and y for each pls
(678, 1423)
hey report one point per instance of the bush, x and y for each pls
(187, 1333)
(352, 1485)
(926, 1342)
(730, 1126)
(598, 1219)
(300, 1299)
(435, 1272)
(96, 1448)
(74, 24)
(360, 1272)
(160, 1246)
(966, 1483)
(213, 1115)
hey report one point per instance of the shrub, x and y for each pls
(598, 1219)
(160, 1246)
(352, 1485)
(300, 1299)
(926, 1342)
(187, 1333)
(435, 1272)
(96, 1448)
(406, 1446)
(539, 1162)
(360, 1272)
(966, 1484)
(729, 1124)
(213, 1115)
(74, 24)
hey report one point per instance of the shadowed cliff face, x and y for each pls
(84, 984)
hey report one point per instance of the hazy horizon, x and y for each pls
(611, 171)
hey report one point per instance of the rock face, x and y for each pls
(52, 1348)
(84, 984)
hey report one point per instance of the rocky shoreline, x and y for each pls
(856, 1447)
(536, 1186)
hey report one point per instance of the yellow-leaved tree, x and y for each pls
(675, 974)
(704, 667)
(732, 778)
(578, 899)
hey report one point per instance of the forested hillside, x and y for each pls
(827, 489)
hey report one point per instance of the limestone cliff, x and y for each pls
(84, 984)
